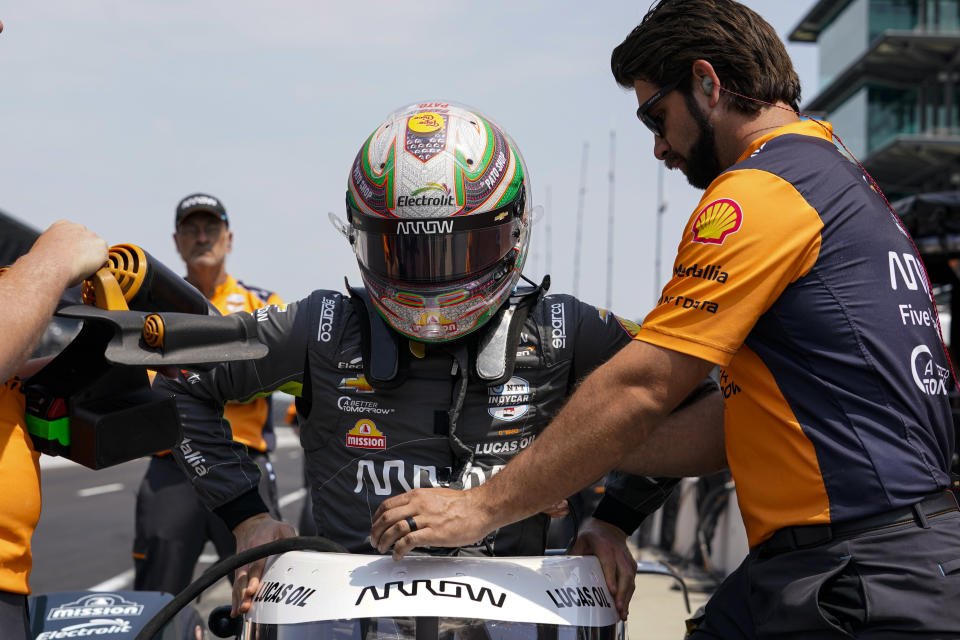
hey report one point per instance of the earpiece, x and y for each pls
(707, 85)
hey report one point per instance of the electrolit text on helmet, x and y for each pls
(425, 201)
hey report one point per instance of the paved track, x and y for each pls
(85, 536)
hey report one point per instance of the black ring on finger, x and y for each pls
(412, 524)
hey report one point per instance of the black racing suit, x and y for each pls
(433, 424)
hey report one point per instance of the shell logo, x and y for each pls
(425, 123)
(716, 221)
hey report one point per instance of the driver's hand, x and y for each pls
(609, 544)
(253, 532)
(441, 517)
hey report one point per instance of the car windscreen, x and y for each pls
(423, 628)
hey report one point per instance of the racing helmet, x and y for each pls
(437, 208)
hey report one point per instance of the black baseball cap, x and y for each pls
(197, 202)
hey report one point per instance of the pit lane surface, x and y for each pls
(85, 536)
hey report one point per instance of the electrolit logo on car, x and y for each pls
(97, 627)
(509, 401)
(365, 435)
(716, 221)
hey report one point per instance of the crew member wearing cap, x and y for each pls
(172, 525)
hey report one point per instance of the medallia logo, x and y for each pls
(509, 401)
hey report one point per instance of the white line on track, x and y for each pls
(116, 583)
(96, 491)
(292, 497)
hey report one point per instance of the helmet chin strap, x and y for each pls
(497, 349)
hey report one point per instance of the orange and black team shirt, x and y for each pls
(19, 490)
(795, 278)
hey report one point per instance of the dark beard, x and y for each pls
(702, 164)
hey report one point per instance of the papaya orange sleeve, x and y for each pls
(751, 235)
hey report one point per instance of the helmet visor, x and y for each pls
(433, 249)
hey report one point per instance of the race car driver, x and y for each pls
(437, 372)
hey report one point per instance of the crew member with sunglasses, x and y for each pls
(792, 275)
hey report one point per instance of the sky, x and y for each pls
(113, 110)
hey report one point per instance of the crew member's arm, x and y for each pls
(632, 497)
(615, 411)
(63, 255)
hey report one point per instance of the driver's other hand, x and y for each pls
(253, 532)
(609, 543)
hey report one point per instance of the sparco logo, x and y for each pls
(443, 588)
(927, 374)
(558, 325)
(97, 605)
(193, 457)
(350, 405)
(425, 226)
(326, 319)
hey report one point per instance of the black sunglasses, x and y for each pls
(643, 111)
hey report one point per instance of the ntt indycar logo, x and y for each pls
(425, 226)
(509, 401)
